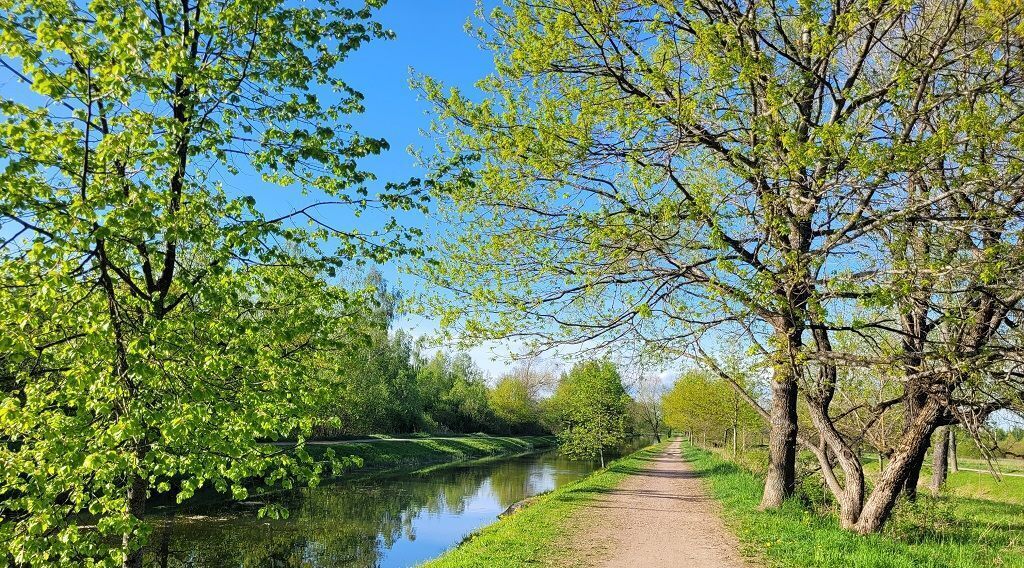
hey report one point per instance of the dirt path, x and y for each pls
(659, 517)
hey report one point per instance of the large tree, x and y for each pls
(158, 326)
(669, 172)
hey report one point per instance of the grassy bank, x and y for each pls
(949, 531)
(530, 536)
(409, 453)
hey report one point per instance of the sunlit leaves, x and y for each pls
(161, 329)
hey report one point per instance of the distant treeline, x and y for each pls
(391, 384)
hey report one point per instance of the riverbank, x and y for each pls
(536, 533)
(948, 531)
(391, 518)
(386, 454)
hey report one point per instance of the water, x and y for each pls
(392, 520)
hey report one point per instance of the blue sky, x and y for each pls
(431, 40)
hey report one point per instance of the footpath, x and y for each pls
(657, 517)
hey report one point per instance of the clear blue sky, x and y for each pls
(431, 40)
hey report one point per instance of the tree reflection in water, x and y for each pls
(394, 520)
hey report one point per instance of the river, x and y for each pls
(400, 519)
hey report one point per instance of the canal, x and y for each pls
(392, 520)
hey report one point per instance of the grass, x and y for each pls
(1003, 465)
(531, 536)
(977, 485)
(971, 484)
(950, 531)
(402, 454)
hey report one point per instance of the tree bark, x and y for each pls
(940, 460)
(914, 473)
(780, 482)
(891, 483)
(136, 508)
(954, 465)
(850, 493)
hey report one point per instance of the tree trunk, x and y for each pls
(734, 443)
(601, 451)
(901, 463)
(940, 460)
(780, 482)
(954, 465)
(849, 493)
(914, 472)
(137, 508)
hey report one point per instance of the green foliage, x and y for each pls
(158, 326)
(374, 387)
(708, 407)
(592, 409)
(454, 394)
(512, 405)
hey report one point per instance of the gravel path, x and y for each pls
(658, 517)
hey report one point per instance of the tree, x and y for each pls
(454, 394)
(159, 327)
(947, 229)
(940, 459)
(592, 406)
(375, 383)
(702, 405)
(647, 404)
(512, 405)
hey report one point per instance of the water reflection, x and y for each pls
(397, 520)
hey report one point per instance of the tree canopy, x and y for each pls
(158, 325)
(592, 409)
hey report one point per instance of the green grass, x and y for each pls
(402, 454)
(972, 484)
(949, 531)
(531, 536)
(976, 485)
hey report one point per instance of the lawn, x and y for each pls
(951, 531)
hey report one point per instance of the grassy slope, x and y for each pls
(414, 453)
(530, 535)
(950, 531)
